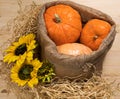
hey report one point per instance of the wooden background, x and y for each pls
(111, 67)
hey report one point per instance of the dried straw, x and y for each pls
(94, 88)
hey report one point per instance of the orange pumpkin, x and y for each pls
(94, 32)
(74, 49)
(63, 24)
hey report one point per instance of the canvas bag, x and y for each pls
(81, 66)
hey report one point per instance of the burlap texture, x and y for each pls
(82, 66)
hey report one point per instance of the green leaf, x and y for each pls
(46, 72)
(48, 79)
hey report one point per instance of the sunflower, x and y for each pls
(21, 49)
(26, 72)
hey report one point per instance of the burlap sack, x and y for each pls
(82, 66)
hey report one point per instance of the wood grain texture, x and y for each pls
(111, 66)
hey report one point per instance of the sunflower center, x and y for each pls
(20, 50)
(25, 71)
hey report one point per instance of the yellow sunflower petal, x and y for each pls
(13, 59)
(21, 58)
(15, 69)
(16, 44)
(29, 56)
(31, 46)
(32, 82)
(6, 57)
(15, 78)
(11, 49)
(10, 58)
(22, 82)
(34, 73)
(37, 64)
(22, 39)
(27, 39)
(30, 37)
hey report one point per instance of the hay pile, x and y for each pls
(94, 88)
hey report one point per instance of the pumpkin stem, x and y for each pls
(95, 37)
(57, 18)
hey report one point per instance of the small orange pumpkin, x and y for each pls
(94, 32)
(63, 24)
(74, 49)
